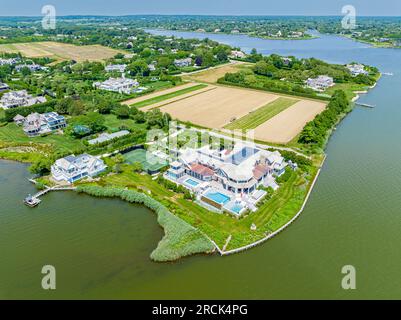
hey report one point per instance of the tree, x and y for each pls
(137, 166)
(64, 105)
(119, 158)
(41, 166)
(122, 111)
(76, 108)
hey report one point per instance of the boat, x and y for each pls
(31, 201)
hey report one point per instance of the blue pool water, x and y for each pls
(191, 182)
(217, 197)
(236, 208)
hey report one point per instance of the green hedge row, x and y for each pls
(292, 93)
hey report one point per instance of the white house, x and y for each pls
(10, 61)
(73, 168)
(36, 124)
(32, 67)
(357, 69)
(20, 98)
(120, 85)
(237, 54)
(321, 83)
(116, 68)
(240, 170)
(183, 62)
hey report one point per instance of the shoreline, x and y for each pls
(282, 228)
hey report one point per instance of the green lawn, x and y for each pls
(12, 133)
(261, 115)
(113, 123)
(349, 89)
(168, 96)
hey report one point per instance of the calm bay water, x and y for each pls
(101, 247)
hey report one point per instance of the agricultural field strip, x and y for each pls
(213, 74)
(61, 51)
(178, 98)
(159, 93)
(216, 108)
(261, 115)
(286, 125)
(168, 96)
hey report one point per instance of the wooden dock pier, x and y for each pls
(33, 201)
(366, 105)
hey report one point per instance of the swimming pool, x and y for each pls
(235, 208)
(217, 197)
(191, 182)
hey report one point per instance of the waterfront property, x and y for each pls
(108, 136)
(73, 168)
(227, 179)
(35, 124)
(321, 83)
(21, 98)
(357, 69)
(237, 54)
(120, 85)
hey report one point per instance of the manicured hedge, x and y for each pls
(181, 239)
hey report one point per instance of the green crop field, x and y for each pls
(261, 115)
(167, 96)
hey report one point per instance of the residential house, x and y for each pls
(115, 68)
(11, 61)
(320, 83)
(180, 63)
(357, 69)
(32, 67)
(120, 85)
(240, 170)
(20, 98)
(73, 168)
(35, 124)
(237, 54)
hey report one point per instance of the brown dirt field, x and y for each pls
(285, 126)
(178, 98)
(212, 75)
(159, 93)
(60, 51)
(215, 108)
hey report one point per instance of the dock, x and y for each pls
(366, 105)
(33, 201)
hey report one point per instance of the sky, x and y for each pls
(201, 7)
